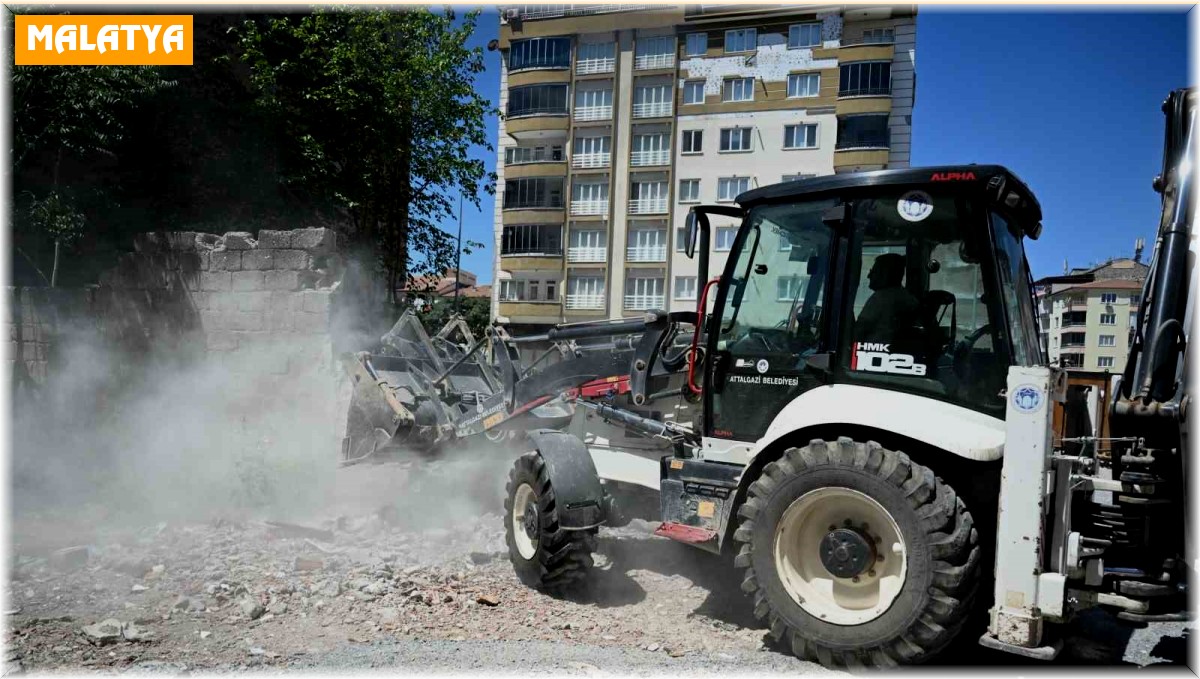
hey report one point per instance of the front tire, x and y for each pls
(543, 554)
(857, 556)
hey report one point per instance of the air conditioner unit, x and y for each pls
(512, 13)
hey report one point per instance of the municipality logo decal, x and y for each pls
(1027, 398)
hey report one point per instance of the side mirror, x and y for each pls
(689, 235)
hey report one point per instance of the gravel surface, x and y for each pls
(393, 574)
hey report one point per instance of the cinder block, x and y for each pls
(200, 300)
(315, 301)
(225, 260)
(282, 280)
(181, 240)
(216, 281)
(247, 281)
(252, 301)
(247, 321)
(292, 259)
(258, 259)
(207, 241)
(279, 319)
(205, 257)
(274, 239)
(318, 241)
(189, 262)
(220, 341)
(310, 323)
(238, 240)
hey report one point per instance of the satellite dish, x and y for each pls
(493, 44)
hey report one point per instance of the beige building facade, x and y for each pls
(1088, 318)
(618, 118)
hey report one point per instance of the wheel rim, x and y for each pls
(525, 521)
(840, 555)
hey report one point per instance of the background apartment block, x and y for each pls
(617, 118)
(1088, 315)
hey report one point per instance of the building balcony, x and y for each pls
(518, 308)
(644, 302)
(577, 302)
(1071, 349)
(648, 206)
(589, 161)
(646, 253)
(589, 207)
(593, 66)
(645, 158)
(543, 251)
(862, 144)
(659, 109)
(579, 255)
(647, 62)
(534, 12)
(592, 113)
(865, 92)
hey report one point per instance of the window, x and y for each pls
(653, 191)
(878, 36)
(591, 152)
(585, 292)
(656, 52)
(539, 53)
(804, 35)
(512, 291)
(597, 57)
(728, 188)
(1108, 298)
(643, 292)
(593, 104)
(1135, 300)
(533, 192)
(589, 192)
(789, 288)
(1104, 361)
(693, 92)
(800, 136)
(680, 239)
(693, 141)
(647, 245)
(741, 40)
(587, 245)
(531, 239)
(1108, 340)
(652, 101)
(517, 155)
(685, 287)
(738, 89)
(1108, 319)
(534, 99)
(735, 139)
(689, 190)
(1074, 339)
(651, 149)
(697, 44)
(724, 236)
(551, 291)
(865, 131)
(865, 78)
(803, 85)
(533, 291)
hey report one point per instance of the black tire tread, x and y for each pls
(949, 530)
(564, 557)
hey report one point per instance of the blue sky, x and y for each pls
(1068, 101)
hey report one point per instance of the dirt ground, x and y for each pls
(388, 576)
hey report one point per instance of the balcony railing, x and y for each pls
(590, 66)
(585, 301)
(644, 302)
(587, 113)
(586, 161)
(646, 253)
(529, 12)
(522, 111)
(648, 61)
(587, 254)
(1073, 323)
(657, 109)
(848, 144)
(647, 206)
(866, 92)
(643, 158)
(589, 207)
(537, 251)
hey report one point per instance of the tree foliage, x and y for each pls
(379, 113)
(476, 311)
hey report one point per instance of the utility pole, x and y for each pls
(458, 253)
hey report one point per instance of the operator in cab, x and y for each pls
(891, 311)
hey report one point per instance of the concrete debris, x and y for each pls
(277, 608)
(138, 588)
(183, 603)
(204, 634)
(69, 558)
(156, 572)
(487, 600)
(251, 608)
(137, 567)
(389, 616)
(104, 632)
(291, 530)
(480, 558)
(304, 564)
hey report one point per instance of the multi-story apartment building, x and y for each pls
(1088, 316)
(618, 117)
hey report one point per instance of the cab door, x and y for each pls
(772, 339)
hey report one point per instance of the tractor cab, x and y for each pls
(909, 280)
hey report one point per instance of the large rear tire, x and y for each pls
(857, 556)
(543, 554)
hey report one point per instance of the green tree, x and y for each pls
(378, 111)
(476, 311)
